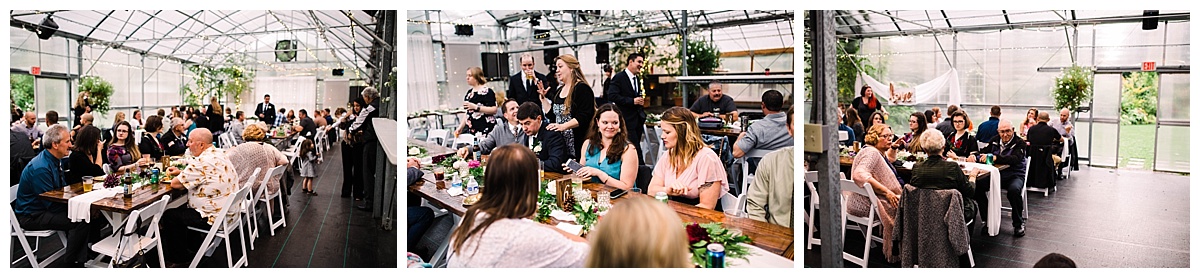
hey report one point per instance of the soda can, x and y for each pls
(716, 256)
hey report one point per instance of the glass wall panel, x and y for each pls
(51, 94)
(1174, 149)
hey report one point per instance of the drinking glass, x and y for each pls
(576, 181)
(439, 173)
(603, 199)
(87, 183)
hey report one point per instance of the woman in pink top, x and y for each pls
(872, 166)
(691, 172)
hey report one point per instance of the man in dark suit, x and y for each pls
(265, 111)
(174, 142)
(1044, 141)
(1010, 150)
(625, 89)
(523, 86)
(550, 146)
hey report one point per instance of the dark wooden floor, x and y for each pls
(1099, 218)
(323, 231)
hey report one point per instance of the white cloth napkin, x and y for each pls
(454, 191)
(79, 208)
(993, 195)
(562, 215)
(570, 228)
(759, 258)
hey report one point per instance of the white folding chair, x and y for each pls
(274, 174)
(814, 200)
(227, 140)
(843, 135)
(869, 222)
(248, 207)
(438, 136)
(1066, 158)
(21, 234)
(227, 220)
(125, 243)
(981, 144)
(1024, 188)
(463, 140)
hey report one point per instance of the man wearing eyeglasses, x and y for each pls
(523, 85)
(1008, 149)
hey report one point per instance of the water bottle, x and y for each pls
(472, 187)
(456, 183)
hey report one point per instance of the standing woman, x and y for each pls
(82, 105)
(352, 146)
(150, 144)
(497, 231)
(136, 121)
(866, 103)
(962, 143)
(690, 172)
(572, 104)
(121, 153)
(873, 170)
(216, 120)
(480, 103)
(609, 157)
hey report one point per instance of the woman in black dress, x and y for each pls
(85, 158)
(570, 103)
(866, 104)
(961, 143)
(480, 103)
(82, 105)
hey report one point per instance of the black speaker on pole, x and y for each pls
(47, 28)
(602, 53)
(1151, 20)
(464, 30)
(339, 72)
(495, 65)
(548, 55)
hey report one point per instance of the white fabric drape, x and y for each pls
(922, 93)
(422, 81)
(289, 92)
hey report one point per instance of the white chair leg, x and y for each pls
(271, 214)
(970, 256)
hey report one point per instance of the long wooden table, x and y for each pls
(770, 237)
(114, 208)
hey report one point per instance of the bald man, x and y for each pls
(28, 127)
(1008, 149)
(210, 180)
(1067, 130)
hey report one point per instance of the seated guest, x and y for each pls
(938, 173)
(150, 144)
(1030, 121)
(715, 104)
(41, 175)
(237, 126)
(960, 143)
(550, 146)
(947, 126)
(873, 169)
(850, 138)
(256, 153)
(930, 117)
(328, 118)
(853, 120)
(84, 120)
(27, 126)
(110, 133)
(1044, 146)
(21, 151)
(51, 120)
(210, 179)
(419, 217)
(1067, 130)
(987, 129)
(136, 120)
(306, 127)
(497, 231)
(87, 155)
(770, 196)
(1055, 260)
(1008, 149)
(505, 132)
(121, 153)
(280, 120)
(1042, 134)
(916, 123)
(690, 172)
(657, 245)
(174, 141)
(767, 134)
(608, 156)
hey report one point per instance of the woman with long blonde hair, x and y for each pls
(691, 172)
(571, 104)
(659, 245)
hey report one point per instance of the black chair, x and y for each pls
(645, 173)
(1041, 177)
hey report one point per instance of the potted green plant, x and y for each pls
(1073, 88)
(99, 92)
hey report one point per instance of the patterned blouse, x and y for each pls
(210, 179)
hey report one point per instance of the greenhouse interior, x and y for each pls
(1115, 85)
(123, 71)
(472, 72)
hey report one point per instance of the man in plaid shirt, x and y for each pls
(279, 120)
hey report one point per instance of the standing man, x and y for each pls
(625, 89)
(363, 122)
(265, 110)
(1067, 130)
(523, 85)
(715, 104)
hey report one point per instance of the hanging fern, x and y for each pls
(99, 92)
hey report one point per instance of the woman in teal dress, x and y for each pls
(608, 156)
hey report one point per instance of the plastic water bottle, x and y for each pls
(472, 187)
(456, 183)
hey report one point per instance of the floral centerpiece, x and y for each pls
(700, 235)
(547, 203)
(586, 214)
(417, 151)
(475, 169)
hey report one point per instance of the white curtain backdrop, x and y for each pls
(422, 81)
(289, 92)
(337, 93)
(922, 93)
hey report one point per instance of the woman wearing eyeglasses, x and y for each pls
(121, 153)
(961, 143)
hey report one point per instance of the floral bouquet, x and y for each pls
(417, 151)
(586, 214)
(547, 203)
(475, 169)
(700, 235)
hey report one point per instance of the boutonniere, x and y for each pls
(537, 146)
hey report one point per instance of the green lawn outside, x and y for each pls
(1137, 141)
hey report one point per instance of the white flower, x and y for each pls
(461, 165)
(414, 151)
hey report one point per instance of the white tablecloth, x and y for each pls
(759, 258)
(993, 221)
(79, 208)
